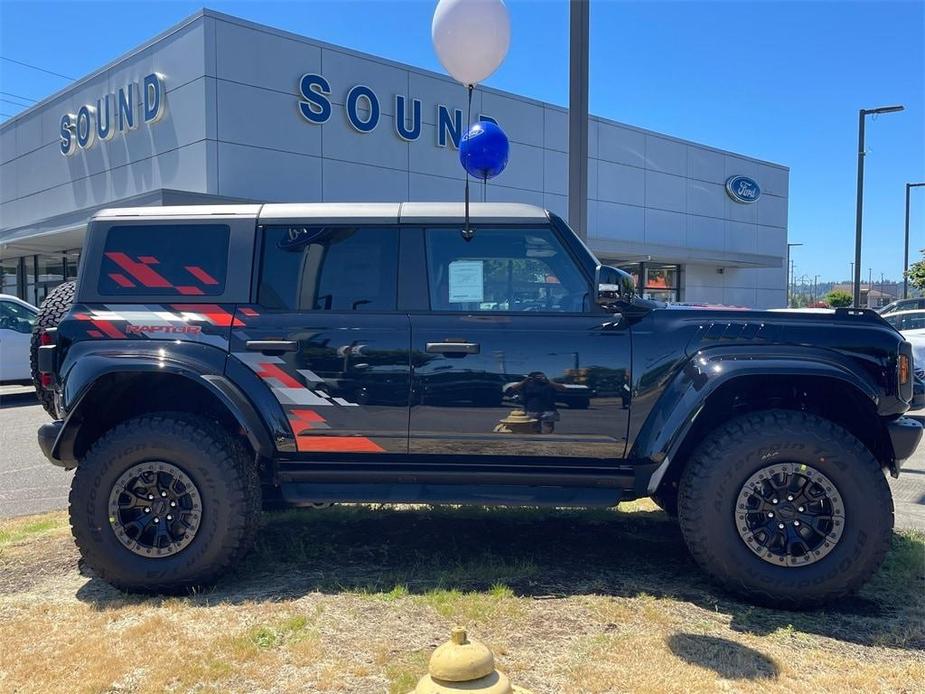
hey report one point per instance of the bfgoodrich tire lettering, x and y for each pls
(731, 454)
(227, 483)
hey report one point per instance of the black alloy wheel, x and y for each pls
(790, 514)
(155, 509)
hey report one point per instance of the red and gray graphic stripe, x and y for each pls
(304, 422)
(139, 271)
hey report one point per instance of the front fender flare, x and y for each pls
(677, 409)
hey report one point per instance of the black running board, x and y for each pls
(309, 493)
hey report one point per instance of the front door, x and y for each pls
(326, 337)
(511, 360)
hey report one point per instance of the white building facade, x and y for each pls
(222, 109)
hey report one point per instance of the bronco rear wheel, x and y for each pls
(163, 503)
(786, 508)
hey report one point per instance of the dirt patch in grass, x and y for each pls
(354, 599)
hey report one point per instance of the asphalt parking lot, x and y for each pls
(28, 484)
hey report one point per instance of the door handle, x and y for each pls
(272, 346)
(453, 347)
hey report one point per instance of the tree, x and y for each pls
(838, 299)
(916, 273)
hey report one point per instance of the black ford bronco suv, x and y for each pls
(217, 357)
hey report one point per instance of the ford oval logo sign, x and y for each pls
(743, 189)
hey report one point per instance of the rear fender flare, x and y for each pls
(96, 371)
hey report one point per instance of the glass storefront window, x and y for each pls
(660, 277)
(72, 261)
(9, 271)
(50, 268)
(661, 282)
(33, 277)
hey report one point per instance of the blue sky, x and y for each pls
(780, 81)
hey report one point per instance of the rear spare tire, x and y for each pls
(163, 503)
(52, 310)
(785, 508)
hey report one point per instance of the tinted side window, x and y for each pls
(524, 269)
(329, 268)
(157, 259)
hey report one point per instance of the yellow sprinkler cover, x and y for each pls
(461, 660)
(463, 665)
(518, 417)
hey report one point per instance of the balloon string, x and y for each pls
(467, 231)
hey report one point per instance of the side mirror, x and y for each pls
(612, 286)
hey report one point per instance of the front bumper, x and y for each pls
(905, 435)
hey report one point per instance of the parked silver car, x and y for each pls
(903, 305)
(906, 320)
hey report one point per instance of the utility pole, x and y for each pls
(790, 269)
(579, 24)
(815, 281)
(790, 283)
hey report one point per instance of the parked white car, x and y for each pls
(903, 305)
(906, 320)
(16, 320)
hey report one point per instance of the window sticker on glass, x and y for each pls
(467, 281)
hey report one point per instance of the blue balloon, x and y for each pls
(483, 150)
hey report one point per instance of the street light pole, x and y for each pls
(862, 117)
(909, 187)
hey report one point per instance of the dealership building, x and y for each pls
(219, 109)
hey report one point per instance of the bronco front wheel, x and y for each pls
(787, 508)
(164, 502)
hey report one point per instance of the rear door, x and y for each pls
(326, 337)
(511, 361)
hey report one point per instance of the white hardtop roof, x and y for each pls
(345, 212)
(156, 211)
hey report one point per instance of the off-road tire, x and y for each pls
(56, 304)
(731, 454)
(666, 498)
(217, 464)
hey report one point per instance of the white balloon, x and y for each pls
(471, 37)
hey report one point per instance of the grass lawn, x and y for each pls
(354, 599)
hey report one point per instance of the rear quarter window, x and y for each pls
(158, 259)
(307, 268)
